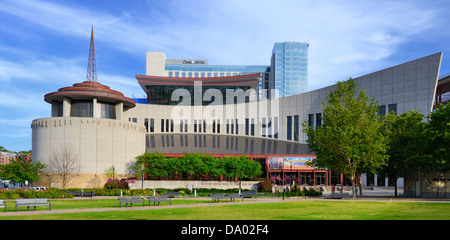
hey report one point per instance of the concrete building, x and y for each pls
(195, 107)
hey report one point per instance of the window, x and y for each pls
(382, 110)
(289, 127)
(152, 125)
(263, 127)
(318, 119)
(247, 126)
(296, 127)
(162, 125)
(218, 125)
(311, 120)
(81, 108)
(252, 129)
(275, 127)
(195, 126)
(146, 124)
(393, 108)
(107, 110)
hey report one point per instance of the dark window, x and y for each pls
(296, 127)
(318, 119)
(247, 126)
(152, 125)
(81, 108)
(393, 108)
(311, 120)
(289, 127)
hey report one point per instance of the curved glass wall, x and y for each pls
(81, 108)
(163, 94)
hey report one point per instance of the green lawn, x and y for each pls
(289, 210)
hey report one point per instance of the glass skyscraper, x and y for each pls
(289, 65)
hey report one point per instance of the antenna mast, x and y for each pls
(91, 74)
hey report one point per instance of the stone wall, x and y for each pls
(248, 185)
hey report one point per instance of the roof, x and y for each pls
(90, 90)
(250, 80)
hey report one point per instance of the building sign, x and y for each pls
(193, 62)
(296, 162)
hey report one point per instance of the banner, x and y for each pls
(275, 162)
(296, 162)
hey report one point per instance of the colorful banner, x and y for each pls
(296, 162)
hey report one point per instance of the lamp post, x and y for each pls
(113, 180)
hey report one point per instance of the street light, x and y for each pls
(113, 180)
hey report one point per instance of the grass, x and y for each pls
(288, 210)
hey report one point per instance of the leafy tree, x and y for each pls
(439, 138)
(406, 136)
(350, 139)
(21, 169)
(150, 163)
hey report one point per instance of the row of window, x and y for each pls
(85, 108)
(269, 126)
(203, 74)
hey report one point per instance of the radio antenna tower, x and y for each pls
(91, 74)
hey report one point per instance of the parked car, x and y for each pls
(38, 188)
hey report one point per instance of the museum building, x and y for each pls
(217, 114)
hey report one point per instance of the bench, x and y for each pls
(83, 194)
(248, 194)
(171, 194)
(233, 196)
(130, 200)
(217, 196)
(3, 204)
(158, 199)
(33, 202)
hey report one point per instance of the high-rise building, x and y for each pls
(289, 65)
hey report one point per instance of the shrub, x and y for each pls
(265, 185)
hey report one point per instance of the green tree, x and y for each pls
(350, 139)
(152, 164)
(439, 138)
(407, 141)
(21, 169)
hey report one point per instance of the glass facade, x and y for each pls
(290, 65)
(107, 110)
(157, 94)
(82, 108)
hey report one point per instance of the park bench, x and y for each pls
(158, 199)
(171, 194)
(217, 196)
(233, 196)
(130, 200)
(83, 194)
(248, 194)
(33, 202)
(3, 204)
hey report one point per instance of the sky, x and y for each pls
(44, 45)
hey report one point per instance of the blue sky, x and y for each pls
(44, 45)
